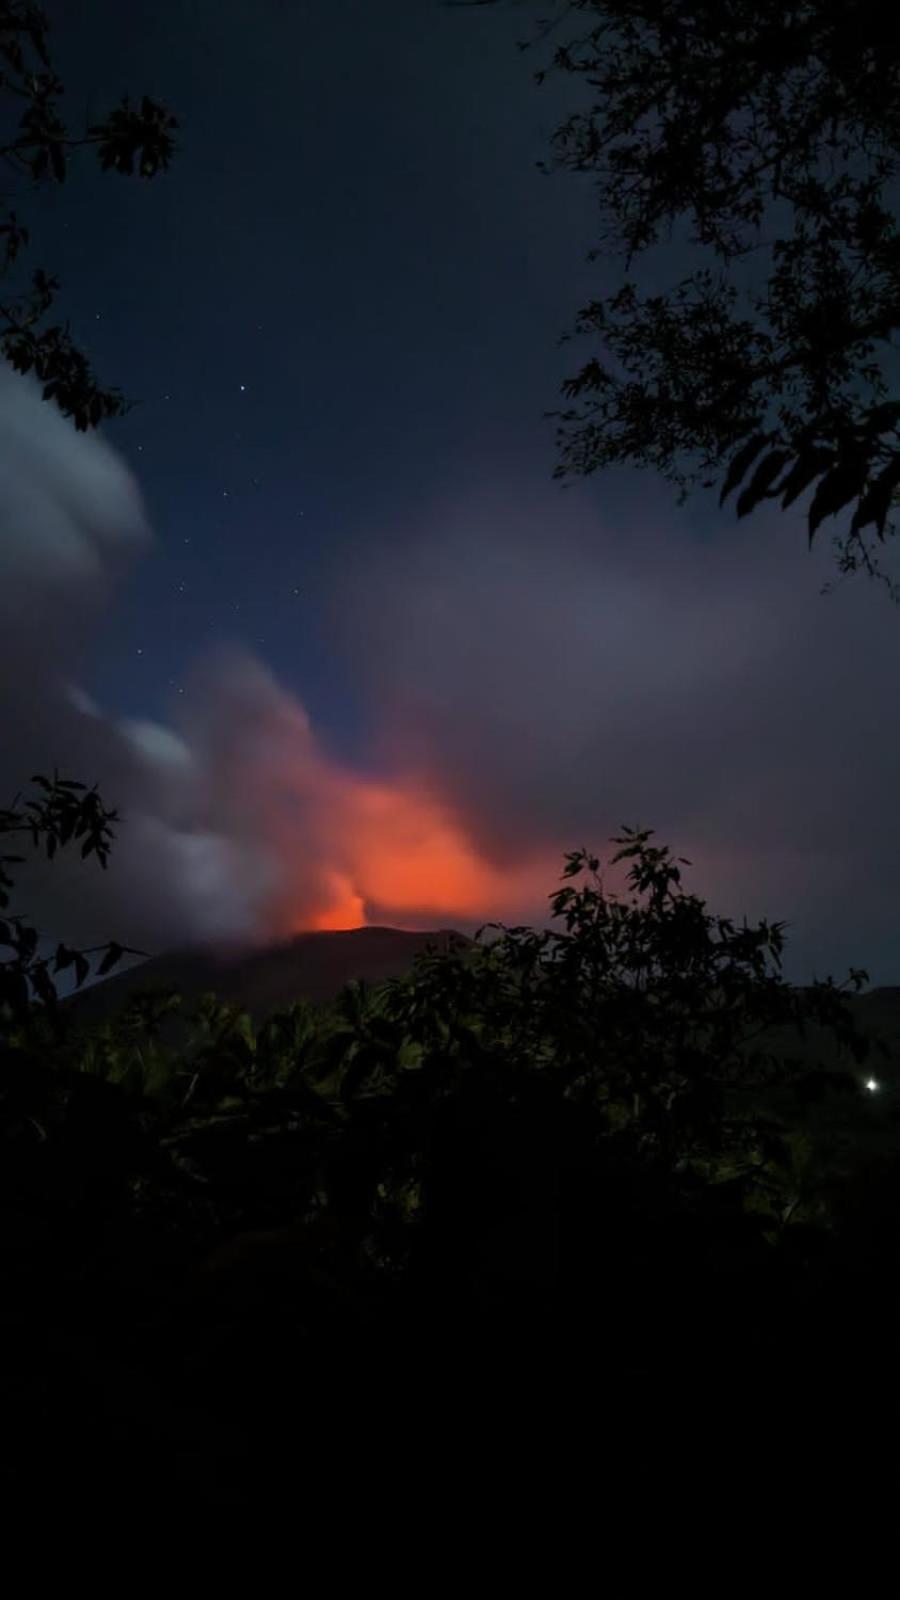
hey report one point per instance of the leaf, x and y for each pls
(883, 417)
(243, 1027)
(357, 1071)
(876, 502)
(14, 990)
(741, 462)
(809, 464)
(43, 984)
(114, 954)
(762, 479)
(838, 487)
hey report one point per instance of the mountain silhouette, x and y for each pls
(316, 966)
(309, 966)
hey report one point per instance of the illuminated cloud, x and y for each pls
(554, 670)
(235, 825)
(533, 681)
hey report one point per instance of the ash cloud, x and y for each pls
(559, 669)
(236, 827)
(183, 867)
(536, 676)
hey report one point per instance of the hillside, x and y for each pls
(311, 966)
(876, 1012)
(316, 966)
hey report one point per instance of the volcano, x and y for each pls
(310, 966)
(316, 966)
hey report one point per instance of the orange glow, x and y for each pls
(347, 910)
(400, 850)
(342, 849)
(411, 855)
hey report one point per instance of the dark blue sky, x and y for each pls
(338, 316)
(354, 231)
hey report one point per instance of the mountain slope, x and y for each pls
(311, 966)
(316, 966)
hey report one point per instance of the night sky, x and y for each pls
(314, 613)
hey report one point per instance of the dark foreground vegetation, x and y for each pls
(545, 1175)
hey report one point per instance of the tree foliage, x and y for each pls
(62, 812)
(774, 130)
(548, 1139)
(36, 147)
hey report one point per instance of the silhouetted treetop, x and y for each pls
(36, 146)
(774, 128)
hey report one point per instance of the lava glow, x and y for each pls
(399, 850)
(346, 911)
(323, 845)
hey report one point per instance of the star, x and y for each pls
(243, 388)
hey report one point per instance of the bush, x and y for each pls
(556, 1146)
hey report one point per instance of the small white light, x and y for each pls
(871, 1085)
